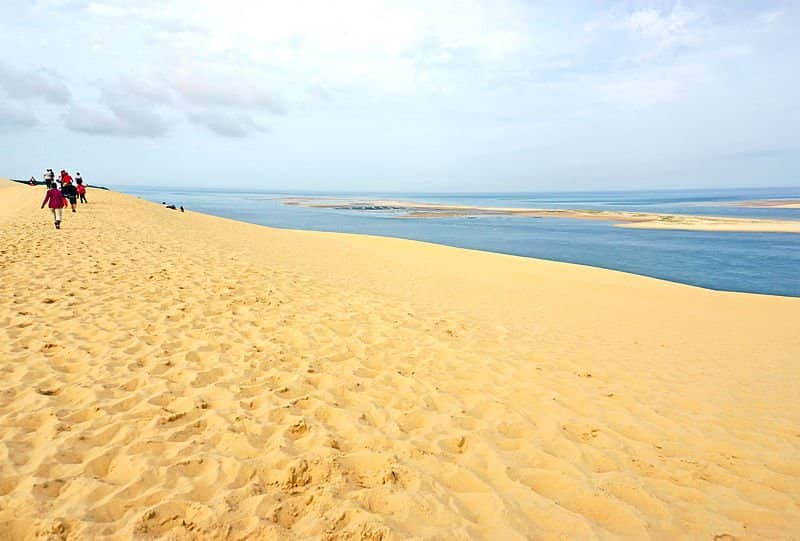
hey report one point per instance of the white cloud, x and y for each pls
(770, 17)
(20, 83)
(86, 119)
(127, 108)
(233, 91)
(227, 124)
(16, 117)
(117, 120)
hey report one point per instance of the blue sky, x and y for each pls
(371, 95)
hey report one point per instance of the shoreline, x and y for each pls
(185, 375)
(386, 205)
(638, 220)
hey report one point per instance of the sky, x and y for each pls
(435, 95)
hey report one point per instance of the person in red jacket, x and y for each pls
(81, 188)
(56, 201)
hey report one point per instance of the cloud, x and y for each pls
(667, 26)
(156, 16)
(71, 5)
(227, 124)
(128, 109)
(431, 53)
(233, 91)
(15, 117)
(770, 17)
(27, 84)
(139, 107)
(92, 120)
(123, 121)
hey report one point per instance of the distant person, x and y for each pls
(48, 178)
(69, 191)
(81, 188)
(56, 203)
(78, 178)
(32, 181)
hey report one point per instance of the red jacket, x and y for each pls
(56, 199)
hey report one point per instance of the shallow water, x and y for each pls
(750, 262)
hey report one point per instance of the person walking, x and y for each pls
(48, 178)
(56, 203)
(81, 188)
(69, 191)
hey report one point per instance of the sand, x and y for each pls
(175, 375)
(774, 203)
(638, 220)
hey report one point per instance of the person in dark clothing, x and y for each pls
(69, 191)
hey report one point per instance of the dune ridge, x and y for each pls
(189, 377)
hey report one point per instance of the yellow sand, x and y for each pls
(638, 220)
(179, 375)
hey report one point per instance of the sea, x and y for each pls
(765, 263)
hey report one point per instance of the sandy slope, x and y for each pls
(179, 375)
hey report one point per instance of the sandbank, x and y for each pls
(772, 203)
(178, 375)
(639, 220)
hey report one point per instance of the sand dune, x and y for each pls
(176, 375)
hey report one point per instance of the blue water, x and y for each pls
(751, 262)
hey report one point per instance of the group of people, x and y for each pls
(62, 191)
